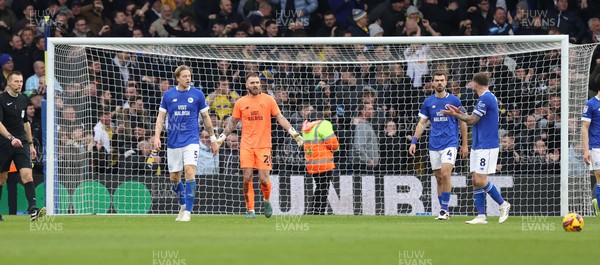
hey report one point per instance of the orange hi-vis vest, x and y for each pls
(320, 143)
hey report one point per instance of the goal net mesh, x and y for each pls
(108, 102)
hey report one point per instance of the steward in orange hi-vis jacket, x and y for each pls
(319, 146)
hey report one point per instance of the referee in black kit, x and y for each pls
(17, 143)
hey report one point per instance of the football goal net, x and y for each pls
(100, 121)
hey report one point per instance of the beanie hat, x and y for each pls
(358, 14)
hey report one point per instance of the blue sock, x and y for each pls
(180, 191)
(440, 200)
(445, 200)
(494, 193)
(190, 194)
(598, 193)
(479, 196)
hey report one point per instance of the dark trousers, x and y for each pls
(11, 189)
(322, 180)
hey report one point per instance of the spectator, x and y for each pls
(390, 14)
(206, 11)
(189, 28)
(22, 56)
(80, 28)
(329, 25)
(208, 164)
(529, 131)
(375, 30)
(157, 28)
(35, 122)
(181, 9)
(103, 130)
(8, 19)
(230, 164)
(343, 10)
(509, 156)
(366, 142)
(7, 65)
(119, 27)
(93, 15)
(594, 34)
(226, 15)
(300, 116)
(141, 161)
(480, 15)
(38, 49)
(222, 99)
(359, 27)
(445, 18)
(498, 25)
(69, 120)
(567, 21)
(33, 82)
(391, 146)
(28, 17)
(271, 29)
(135, 114)
(417, 67)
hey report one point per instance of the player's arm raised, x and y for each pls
(285, 124)
(455, 112)
(585, 141)
(160, 121)
(421, 126)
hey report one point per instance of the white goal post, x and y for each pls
(397, 183)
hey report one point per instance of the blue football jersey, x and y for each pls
(444, 128)
(485, 131)
(591, 114)
(182, 108)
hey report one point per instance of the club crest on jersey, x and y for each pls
(190, 100)
(433, 107)
(174, 100)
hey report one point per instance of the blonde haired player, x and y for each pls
(182, 103)
(255, 110)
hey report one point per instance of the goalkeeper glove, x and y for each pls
(297, 137)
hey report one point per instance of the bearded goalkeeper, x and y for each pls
(255, 110)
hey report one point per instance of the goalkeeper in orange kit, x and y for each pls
(255, 110)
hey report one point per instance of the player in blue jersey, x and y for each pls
(590, 138)
(443, 138)
(484, 153)
(180, 106)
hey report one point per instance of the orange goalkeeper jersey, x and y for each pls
(255, 113)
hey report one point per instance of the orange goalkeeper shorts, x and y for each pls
(259, 158)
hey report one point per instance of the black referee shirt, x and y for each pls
(13, 114)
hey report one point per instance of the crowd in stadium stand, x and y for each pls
(105, 123)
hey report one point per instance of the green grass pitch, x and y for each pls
(212, 239)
